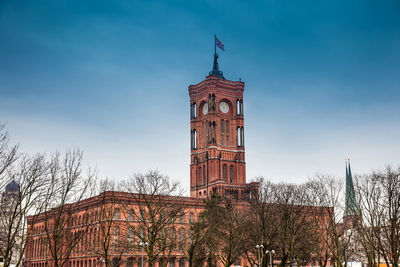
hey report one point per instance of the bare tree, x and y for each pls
(379, 200)
(63, 199)
(157, 204)
(261, 229)
(293, 219)
(109, 242)
(23, 179)
(8, 155)
(195, 250)
(333, 240)
(225, 230)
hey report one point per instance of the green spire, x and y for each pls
(351, 202)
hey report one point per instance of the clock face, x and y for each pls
(205, 108)
(224, 107)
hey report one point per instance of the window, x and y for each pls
(194, 139)
(200, 176)
(191, 217)
(129, 262)
(130, 236)
(239, 107)
(224, 171)
(231, 173)
(116, 214)
(222, 132)
(130, 215)
(182, 218)
(172, 237)
(204, 174)
(227, 133)
(181, 239)
(240, 136)
(116, 232)
(141, 215)
(115, 262)
(141, 234)
(193, 111)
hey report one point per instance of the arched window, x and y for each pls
(129, 262)
(227, 132)
(171, 237)
(222, 132)
(182, 218)
(141, 212)
(141, 234)
(231, 173)
(194, 139)
(193, 111)
(116, 214)
(130, 236)
(200, 176)
(181, 239)
(115, 262)
(130, 215)
(224, 171)
(239, 107)
(191, 217)
(204, 174)
(240, 136)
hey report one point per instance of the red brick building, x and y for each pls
(217, 139)
(217, 165)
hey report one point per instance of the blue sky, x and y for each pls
(321, 80)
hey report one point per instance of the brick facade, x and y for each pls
(217, 161)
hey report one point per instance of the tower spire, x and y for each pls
(215, 70)
(351, 203)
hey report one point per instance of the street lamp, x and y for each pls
(259, 247)
(143, 245)
(271, 253)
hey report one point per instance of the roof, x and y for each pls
(12, 187)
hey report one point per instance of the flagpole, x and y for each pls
(215, 45)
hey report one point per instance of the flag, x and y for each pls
(219, 44)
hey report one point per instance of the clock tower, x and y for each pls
(217, 158)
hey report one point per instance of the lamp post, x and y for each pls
(271, 253)
(143, 245)
(259, 247)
